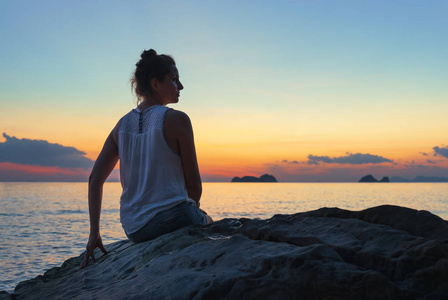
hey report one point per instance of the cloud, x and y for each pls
(353, 159)
(42, 153)
(430, 161)
(441, 151)
(422, 166)
(295, 162)
(350, 173)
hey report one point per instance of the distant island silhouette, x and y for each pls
(419, 179)
(262, 178)
(370, 178)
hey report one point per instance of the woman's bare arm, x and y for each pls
(102, 168)
(179, 135)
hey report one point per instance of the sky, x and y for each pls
(304, 90)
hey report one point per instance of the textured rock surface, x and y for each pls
(384, 252)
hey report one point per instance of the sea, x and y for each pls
(44, 224)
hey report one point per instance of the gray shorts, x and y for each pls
(181, 215)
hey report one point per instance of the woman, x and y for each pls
(158, 166)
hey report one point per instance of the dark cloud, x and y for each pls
(423, 153)
(441, 151)
(430, 161)
(353, 159)
(295, 162)
(421, 166)
(42, 153)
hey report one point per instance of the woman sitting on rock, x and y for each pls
(158, 166)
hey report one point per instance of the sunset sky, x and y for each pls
(303, 90)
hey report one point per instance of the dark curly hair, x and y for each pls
(151, 65)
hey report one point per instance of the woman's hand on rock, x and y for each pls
(93, 243)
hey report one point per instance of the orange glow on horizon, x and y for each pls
(7, 166)
(18, 172)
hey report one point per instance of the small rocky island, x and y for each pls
(385, 252)
(262, 178)
(370, 178)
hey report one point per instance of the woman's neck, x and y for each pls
(148, 103)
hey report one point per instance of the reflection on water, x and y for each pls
(43, 224)
(263, 200)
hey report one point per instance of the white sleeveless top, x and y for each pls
(150, 171)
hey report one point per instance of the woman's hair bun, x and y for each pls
(148, 54)
(151, 65)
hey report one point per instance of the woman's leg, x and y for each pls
(169, 220)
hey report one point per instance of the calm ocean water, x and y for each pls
(43, 224)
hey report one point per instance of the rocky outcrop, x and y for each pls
(262, 178)
(384, 252)
(370, 178)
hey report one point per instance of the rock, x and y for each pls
(385, 179)
(262, 178)
(385, 252)
(370, 178)
(4, 295)
(267, 178)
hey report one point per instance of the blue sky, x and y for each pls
(265, 81)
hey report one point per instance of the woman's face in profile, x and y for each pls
(169, 89)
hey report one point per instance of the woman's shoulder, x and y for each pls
(178, 124)
(176, 117)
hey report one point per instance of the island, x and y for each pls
(384, 252)
(370, 178)
(420, 179)
(262, 178)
